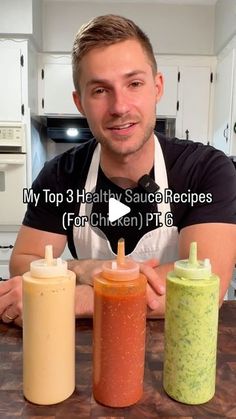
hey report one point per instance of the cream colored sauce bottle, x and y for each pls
(48, 331)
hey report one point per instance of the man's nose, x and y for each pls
(119, 103)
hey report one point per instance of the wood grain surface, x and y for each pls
(154, 404)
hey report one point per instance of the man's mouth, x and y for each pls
(122, 126)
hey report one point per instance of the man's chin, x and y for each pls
(123, 148)
(123, 145)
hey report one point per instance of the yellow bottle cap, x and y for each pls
(48, 267)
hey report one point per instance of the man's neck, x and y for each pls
(131, 167)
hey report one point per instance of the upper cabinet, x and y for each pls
(224, 113)
(187, 96)
(195, 103)
(56, 86)
(167, 106)
(18, 80)
(11, 69)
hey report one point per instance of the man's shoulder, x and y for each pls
(173, 146)
(187, 153)
(68, 169)
(78, 153)
(73, 161)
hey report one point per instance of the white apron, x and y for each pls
(160, 243)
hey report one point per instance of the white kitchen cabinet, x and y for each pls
(187, 92)
(57, 88)
(7, 241)
(194, 114)
(167, 107)
(223, 117)
(12, 61)
(12, 183)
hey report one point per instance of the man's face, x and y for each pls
(118, 95)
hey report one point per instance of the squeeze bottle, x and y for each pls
(191, 323)
(119, 332)
(48, 330)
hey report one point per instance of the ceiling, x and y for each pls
(178, 2)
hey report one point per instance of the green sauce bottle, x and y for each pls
(191, 323)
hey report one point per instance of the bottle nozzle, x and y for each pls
(122, 268)
(120, 252)
(193, 254)
(192, 268)
(49, 254)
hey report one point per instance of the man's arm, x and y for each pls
(216, 241)
(29, 246)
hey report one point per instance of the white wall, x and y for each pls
(15, 16)
(37, 22)
(172, 29)
(22, 17)
(225, 23)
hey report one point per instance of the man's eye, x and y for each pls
(136, 84)
(99, 91)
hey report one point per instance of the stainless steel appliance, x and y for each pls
(75, 130)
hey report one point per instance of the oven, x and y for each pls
(13, 180)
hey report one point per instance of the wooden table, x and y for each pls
(154, 404)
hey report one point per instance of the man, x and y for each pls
(117, 88)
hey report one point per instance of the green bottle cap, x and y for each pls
(192, 268)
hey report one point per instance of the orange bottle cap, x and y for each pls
(123, 268)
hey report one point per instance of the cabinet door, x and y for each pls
(194, 103)
(10, 82)
(12, 183)
(58, 87)
(168, 103)
(223, 103)
(7, 241)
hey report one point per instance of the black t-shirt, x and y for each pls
(201, 189)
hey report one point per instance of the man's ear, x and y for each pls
(77, 102)
(159, 86)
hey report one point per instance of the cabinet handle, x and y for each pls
(187, 134)
(10, 246)
(225, 133)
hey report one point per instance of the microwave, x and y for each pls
(166, 126)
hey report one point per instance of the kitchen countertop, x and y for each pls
(154, 404)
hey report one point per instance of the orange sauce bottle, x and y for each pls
(119, 332)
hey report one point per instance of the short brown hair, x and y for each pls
(103, 31)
